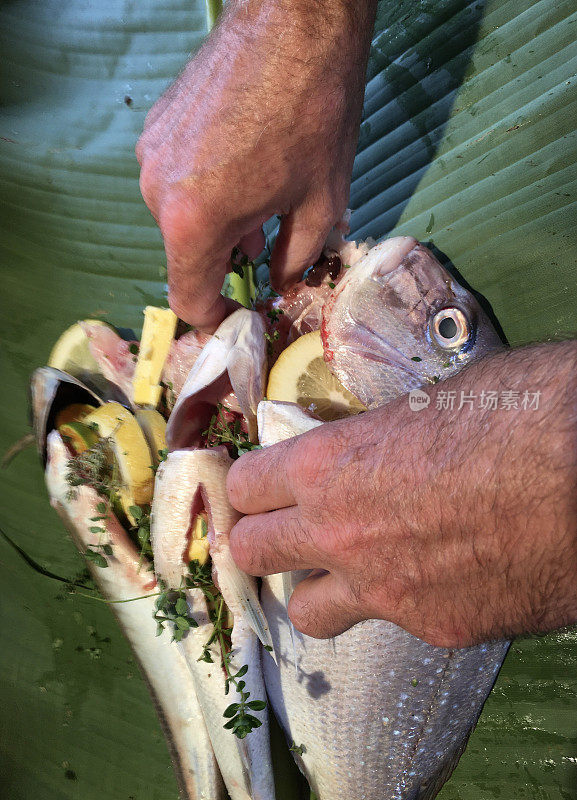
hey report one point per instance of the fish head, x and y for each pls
(398, 320)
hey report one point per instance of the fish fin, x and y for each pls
(278, 420)
(431, 787)
(241, 591)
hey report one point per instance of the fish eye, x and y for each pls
(450, 329)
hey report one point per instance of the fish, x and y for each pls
(181, 358)
(376, 713)
(113, 354)
(190, 692)
(188, 481)
(128, 576)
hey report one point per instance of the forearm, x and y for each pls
(315, 45)
(499, 486)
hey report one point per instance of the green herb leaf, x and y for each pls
(96, 558)
(257, 705)
(181, 606)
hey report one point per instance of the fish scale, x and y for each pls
(331, 693)
(381, 714)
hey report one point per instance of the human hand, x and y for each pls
(262, 121)
(459, 528)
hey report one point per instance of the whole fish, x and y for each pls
(378, 713)
(164, 667)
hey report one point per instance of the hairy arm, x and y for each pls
(264, 120)
(459, 525)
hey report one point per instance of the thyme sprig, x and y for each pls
(222, 431)
(172, 607)
(239, 720)
(141, 530)
(95, 467)
(97, 551)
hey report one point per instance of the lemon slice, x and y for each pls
(73, 413)
(130, 451)
(153, 426)
(71, 353)
(301, 376)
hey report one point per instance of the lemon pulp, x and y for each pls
(71, 352)
(153, 426)
(301, 376)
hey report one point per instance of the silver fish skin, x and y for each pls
(381, 714)
(163, 665)
(380, 328)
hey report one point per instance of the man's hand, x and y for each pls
(264, 120)
(459, 526)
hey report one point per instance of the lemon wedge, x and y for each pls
(71, 353)
(130, 451)
(301, 376)
(153, 426)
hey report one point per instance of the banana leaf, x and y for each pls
(467, 141)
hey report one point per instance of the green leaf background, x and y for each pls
(467, 141)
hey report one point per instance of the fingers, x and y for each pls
(280, 541)
(322, 606)
(263, 480)
(299, 243)
(197, 255)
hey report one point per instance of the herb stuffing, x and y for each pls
(172, 607)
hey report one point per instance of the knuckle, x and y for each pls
(318, 459)
(148, 182)
(181, 215)
(298, 535)
(237, 484)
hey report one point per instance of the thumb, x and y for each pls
(322, 606)
(299, 243)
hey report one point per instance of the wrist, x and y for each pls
(348, 24)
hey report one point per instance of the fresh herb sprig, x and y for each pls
(172, 607)
(238, 262)
(97, 552)
(222, 431)
(141, 530)
(95, 467)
